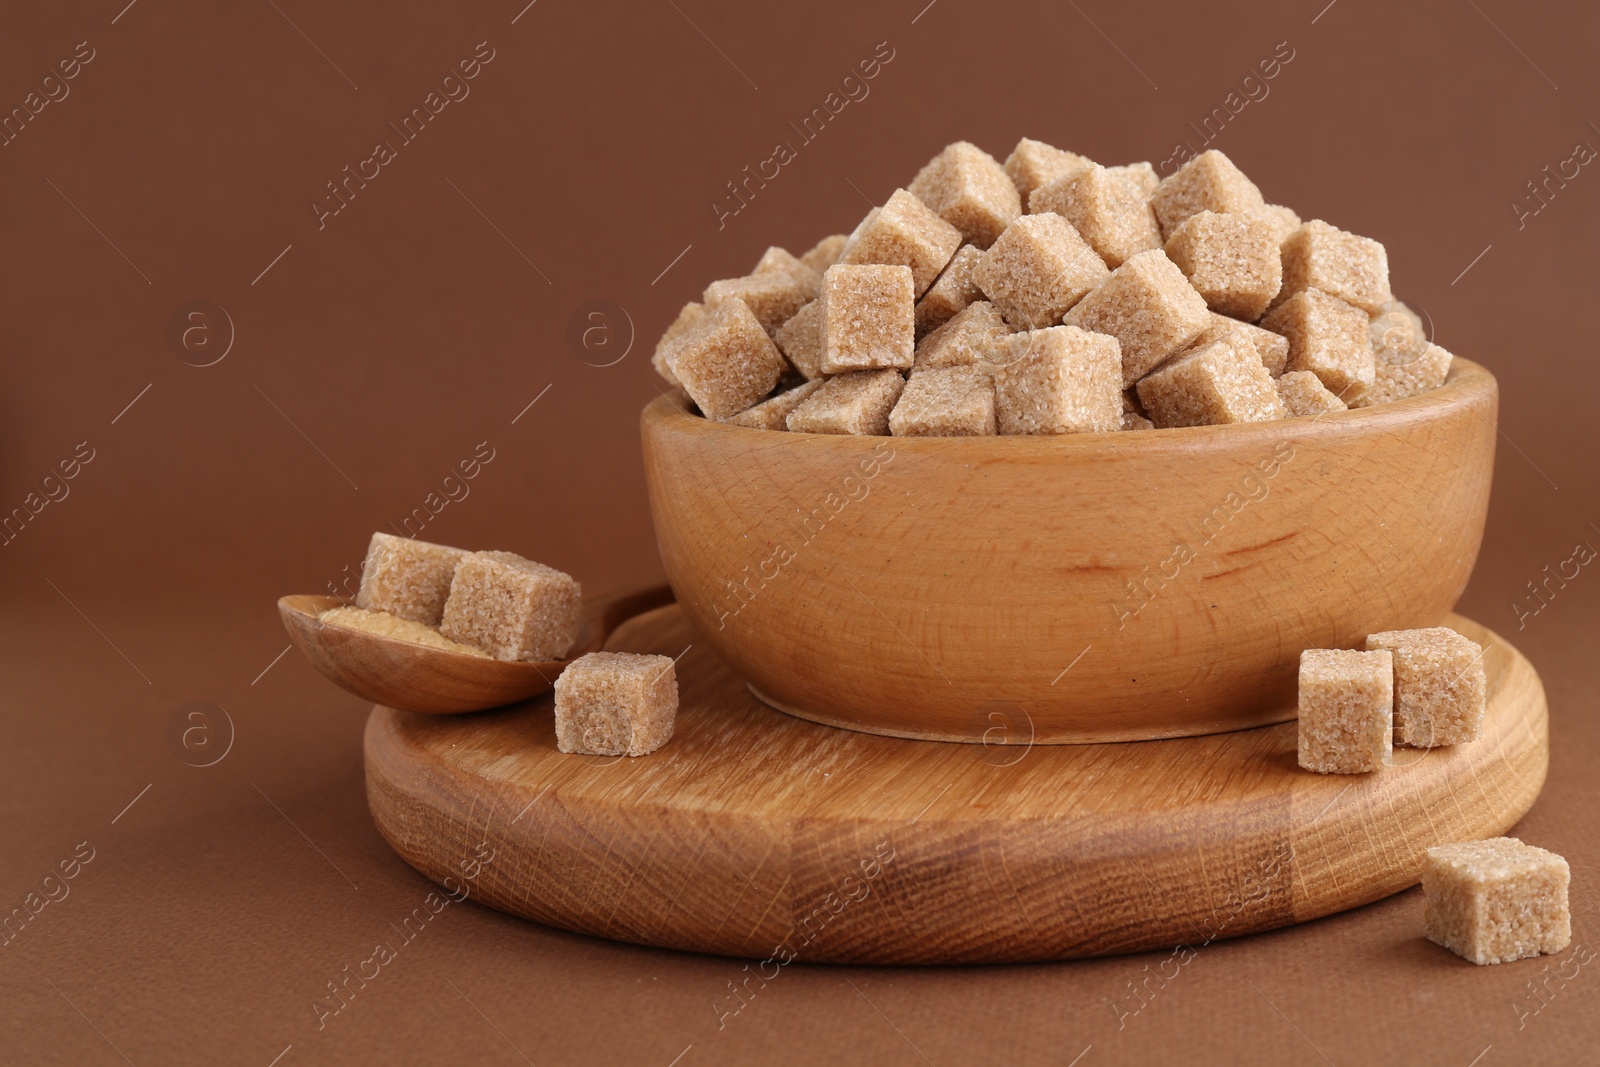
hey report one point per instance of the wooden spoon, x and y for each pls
(411, 677)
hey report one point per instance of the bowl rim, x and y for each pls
(1468, 386)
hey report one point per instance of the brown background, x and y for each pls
(381, 349)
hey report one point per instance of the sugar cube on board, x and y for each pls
(616, 704)
(1440, 686)
(1346, 710)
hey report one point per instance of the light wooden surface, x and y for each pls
(732, 837)
(414, 677)
(900, 584)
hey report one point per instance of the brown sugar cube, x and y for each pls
(945, 402)
(1406, 362)
(825, 253)
(1059, 380)
(1304, 394)
(1346, 710)
(406, 578)
(1038, 269)
(1354, 269)
(777, 260)
(1034, 163)
(868, 318)
(966, 187)
(904, 231)
(1149, 306)
(1132, 420)
(952, 292)
(616, 704)
(855, 403)
(1271, 347)
(1326, 337)
(1211, 386)
(1496, 901)
(512, 608)
(1106, 210)
(1142, 176)
(692, 315)
(773, 413)
(728, 362)
(1440, 688)
(772, 297)
(800, 340)
(1208, 182)
(1231, 260)
(971, 339)
(1284, 221)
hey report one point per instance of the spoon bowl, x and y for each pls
(411, 677)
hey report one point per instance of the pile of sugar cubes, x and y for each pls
(1049, 295)
(1488, 901)
(500, 605)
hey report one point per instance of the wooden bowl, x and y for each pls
(1082, 588)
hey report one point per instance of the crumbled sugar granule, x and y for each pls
(1142, 176)
(1059, 380)
(773, 414)
(1354, 269)
(954, 289)
(1271, 347)
(1208, 182)
(1496, 901)
(906, 232)
(1346, 710)
(1231, 260)
(973, 338)
(1440, 686)
(777, 260)
(1147, 305)
(854, 403)
(946, 402)
(868, 318)
(728, 362)
(825, 253)
(800, 340)
(1211, 386)
(966, 187)
(772, 297)
(387, 625)
(512, 608)
(1326, 337)
(1107, 211)
(1034, 163)
(1284, 221)
(616, 704)
(1038, 269)
(1304, 394)
(408, 579)
(692, 315)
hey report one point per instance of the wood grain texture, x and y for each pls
(902, 584)
(752, 829)
(412, 677)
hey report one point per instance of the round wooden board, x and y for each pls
(760, 835)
